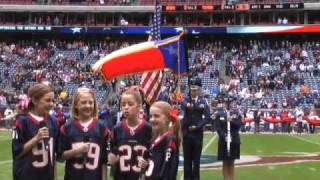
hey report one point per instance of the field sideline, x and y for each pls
(264, 146)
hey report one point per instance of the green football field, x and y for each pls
(253, 145)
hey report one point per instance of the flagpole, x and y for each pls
(179, 82)
(178, 90)
(188, 72)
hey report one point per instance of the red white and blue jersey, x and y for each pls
(88, 166)
(39, 163)
(129, 144)
(164, 161)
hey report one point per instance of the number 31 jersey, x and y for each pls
(38, 163)
(129, 144)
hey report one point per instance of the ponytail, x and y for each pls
(176, 129)
(24, 106)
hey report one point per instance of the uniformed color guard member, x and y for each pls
(225, 154)
(197, 114)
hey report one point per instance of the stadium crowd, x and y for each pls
(262, 74)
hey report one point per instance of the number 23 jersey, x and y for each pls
(129, 144)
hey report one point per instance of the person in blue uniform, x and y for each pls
(164, 152)
(34, 137)
(196, 116)
(228, 112)
(130, 138)
(84, 139)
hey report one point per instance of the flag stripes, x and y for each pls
(151, 82)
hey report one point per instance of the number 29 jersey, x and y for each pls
(38, 163)
(129, 144)
(89, 165)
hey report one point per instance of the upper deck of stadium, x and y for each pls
(151, 2)
(147, 5)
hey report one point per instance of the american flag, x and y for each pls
(151, 82)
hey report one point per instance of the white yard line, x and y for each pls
(209, 144)
(181, 177)
(5, 139)
(203, 150)
(5, 162)
(306, 140)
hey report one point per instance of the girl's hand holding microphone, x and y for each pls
(43, 133)
(142, 163)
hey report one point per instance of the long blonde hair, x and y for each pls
(166, 108)
(75, 100)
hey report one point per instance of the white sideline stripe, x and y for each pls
(305, 140)
(6, 136)
(209, 144)
(181, 177)
(267, 164)
(5, 139)
(203, 150)
(5, 162)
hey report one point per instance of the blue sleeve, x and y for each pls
(63, 142)
(18, 137)
(113, 141)
(219, 126)
(206, 115)
(170, 166)
(56, 130)
(236, 123)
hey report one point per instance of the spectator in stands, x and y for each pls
(3, 102)
(304, 89)
(256, 116)
(123, 22)
(8, 117)
(299, 117)
(1, 119)
(285, 21)
(56, 21)
(107, 115)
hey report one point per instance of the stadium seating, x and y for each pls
(151, 2)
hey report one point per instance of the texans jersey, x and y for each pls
(129, 144)
(88, 166)
(39, 162)
(164, 161)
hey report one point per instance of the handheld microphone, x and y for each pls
(45, 141)
(146, 156)
(108, 148)
(86, 139)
